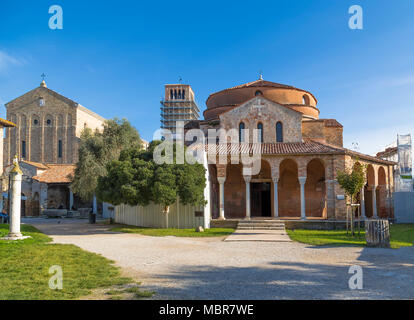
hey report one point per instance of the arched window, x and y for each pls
(260, 128)
(305, 99)
(241, 132)
(179, 94)
(258, 93)
(171, 94)
(175, 94)
(279, 132)
(183, 94)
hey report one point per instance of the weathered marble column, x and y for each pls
(275, 198)
(70, 199)
(374, 202)
(362, 203)
(221, 181)
(94, 206)
(247, 180)
(15, 200)
(302, 181)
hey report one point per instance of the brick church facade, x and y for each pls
(301, 154)
(46, 141)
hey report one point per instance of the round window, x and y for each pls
(48, 121)
(258, 93)
(35, 121)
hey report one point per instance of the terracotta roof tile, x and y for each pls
(36, 164)
(57, 173)
(285, 148)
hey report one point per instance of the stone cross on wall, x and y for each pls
(259, 106)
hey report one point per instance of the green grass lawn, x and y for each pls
(24, 268)
(402, 235)
(155, 232)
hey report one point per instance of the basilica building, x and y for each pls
(301, 154)
(45, 138)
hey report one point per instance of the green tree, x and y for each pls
(352, 182)
(136, 179)
(97, 149)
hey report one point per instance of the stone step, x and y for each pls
(261, 225)
(260, 228)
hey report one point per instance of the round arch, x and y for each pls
(289, 189)
(315, 189)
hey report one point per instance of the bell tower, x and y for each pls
(178, 105)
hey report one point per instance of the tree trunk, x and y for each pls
(377, 233)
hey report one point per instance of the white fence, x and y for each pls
(180, 216)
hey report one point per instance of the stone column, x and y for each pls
(247, 179)
(221, 181)
(302, 181)
(362, 203)
(374, 202)
(15, 200)
(70, 199)
(275, 198)
(94, 205)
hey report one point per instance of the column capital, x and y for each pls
(275, 179)
(302, 180)
(221, 179)
(247, 178)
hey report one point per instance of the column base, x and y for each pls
(15, 236)
(221, 218)
(247, 218)
(303, 218)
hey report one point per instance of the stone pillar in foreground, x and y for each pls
(221, 181)
(15, 201)
(302, 181)
(247, 179)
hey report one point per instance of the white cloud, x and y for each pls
(7, 61)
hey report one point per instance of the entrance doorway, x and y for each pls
(260, 199)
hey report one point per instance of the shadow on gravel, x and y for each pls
(68, 227)
(386, 275)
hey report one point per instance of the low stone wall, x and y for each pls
(319, 225)
(224, 223)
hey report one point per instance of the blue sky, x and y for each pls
(115, 59)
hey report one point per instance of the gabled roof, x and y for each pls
(57, 173)
(44, 88)
(259, 97)
(38, 165)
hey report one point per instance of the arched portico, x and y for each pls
(370, 193)
(289, 189)
(315, 189)
(381, 193)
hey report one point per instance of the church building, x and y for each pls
(301, 154)
(46, 141)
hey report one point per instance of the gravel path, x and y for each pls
(209, 268)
